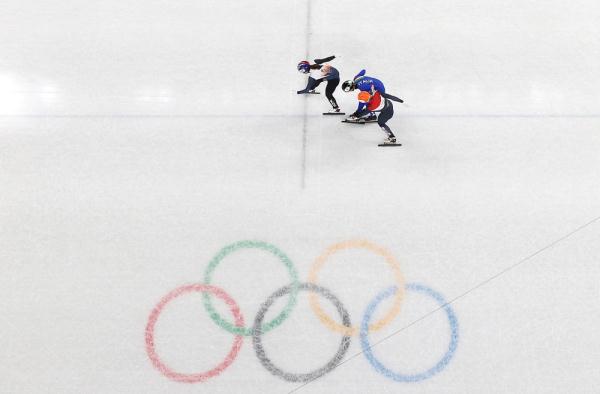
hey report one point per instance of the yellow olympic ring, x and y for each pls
(357, 244)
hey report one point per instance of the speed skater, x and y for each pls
(372, 90)
(321, 72)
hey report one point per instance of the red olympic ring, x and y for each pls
(201, 376)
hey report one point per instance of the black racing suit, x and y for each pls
(333, 80)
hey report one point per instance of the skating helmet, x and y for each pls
(364, 97)
(304, 67)
(348, 86)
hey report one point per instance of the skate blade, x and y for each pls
(389, 144)
(350, 121)
(334, 113)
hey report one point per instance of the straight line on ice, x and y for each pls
(305, 103)
(465, 293)
(258, 116)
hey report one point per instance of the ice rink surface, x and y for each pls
(143, 141)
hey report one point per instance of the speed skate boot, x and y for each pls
(352, 119)
(307, 91)
(391, 138)
(370, 118)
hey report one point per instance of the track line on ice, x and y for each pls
(306, 115)
(304, 142)
(305, 104)
(453, 300)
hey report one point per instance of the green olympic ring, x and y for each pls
(277, 320)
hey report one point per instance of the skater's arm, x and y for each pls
(390, 97)
(324, 60)
(361, 107)
(360, 74)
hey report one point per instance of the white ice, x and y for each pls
(137, 138)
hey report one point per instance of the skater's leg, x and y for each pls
(313, 83)
(386, 114)
(310, 85)
(388, 131)
(331, 85)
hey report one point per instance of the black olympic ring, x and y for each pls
(299, 377)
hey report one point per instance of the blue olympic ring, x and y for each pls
(368, 350)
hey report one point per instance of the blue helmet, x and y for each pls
(304, 67)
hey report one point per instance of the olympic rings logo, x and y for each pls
(237, 325)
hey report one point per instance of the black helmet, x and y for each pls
(348, 86)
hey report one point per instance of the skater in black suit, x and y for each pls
(327, 73)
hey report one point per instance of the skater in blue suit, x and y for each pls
(368, 105)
